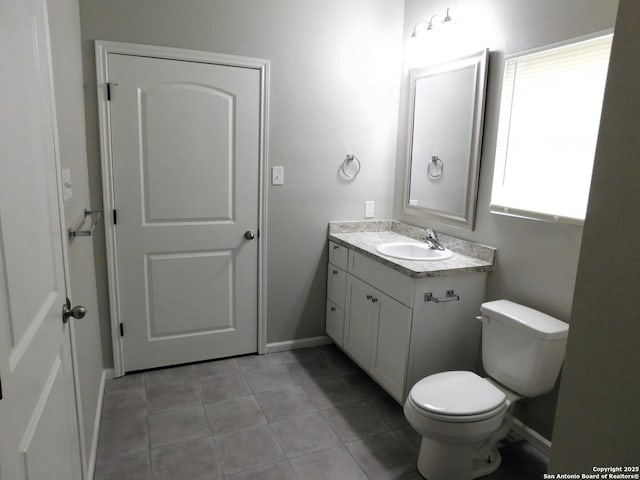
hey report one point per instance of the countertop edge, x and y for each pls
(482, 266)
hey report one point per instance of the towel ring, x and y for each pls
(435, 168)
(347, 161)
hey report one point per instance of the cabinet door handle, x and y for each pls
(335, 247)
(374, 299)
(333, 309)
(335, 272)
(369, 297)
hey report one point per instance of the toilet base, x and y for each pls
(487, 464)
(441, 461)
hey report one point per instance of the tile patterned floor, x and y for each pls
(299, 415)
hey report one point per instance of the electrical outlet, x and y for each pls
(369, 209)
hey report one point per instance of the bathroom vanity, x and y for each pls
(401, 320)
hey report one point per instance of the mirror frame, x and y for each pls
(480, 61)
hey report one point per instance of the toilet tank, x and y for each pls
(522, 348)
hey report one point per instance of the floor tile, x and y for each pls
(253, 362)
(331, 393)
(383, 456)
(168, 375)
(389, 411)
(339, 361)
(332, 464)
(177, 425)
(119, 405)
(302, 435)
(297, 355)
(127, 435)
(130, 380)
(354, 421)
(365, 386)
(215, 367)
(285, 403)
(223, 387)
(313, 370)
(235, 414)
(410, 437)
(270, 378)
(195, 460)
(248, 449)
(348, 405)
(171, 395)
(131, 467)
(278, 471)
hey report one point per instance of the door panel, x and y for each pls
(181, 183)
(185, 159)
(40, 437)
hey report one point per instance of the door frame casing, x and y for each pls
(102, 50)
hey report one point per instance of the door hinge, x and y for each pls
(121, 330)
(115, 216)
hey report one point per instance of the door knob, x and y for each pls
(77, 312)
(249, 235)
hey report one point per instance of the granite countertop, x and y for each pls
(364, 237)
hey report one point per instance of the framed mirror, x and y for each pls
(446, 112)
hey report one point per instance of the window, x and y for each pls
(549, 119)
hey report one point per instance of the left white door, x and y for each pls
(39, 437)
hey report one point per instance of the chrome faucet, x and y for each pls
(431, 237)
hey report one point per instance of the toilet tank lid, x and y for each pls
(524, 318)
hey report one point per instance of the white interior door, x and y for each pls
(185, 169)
(39, 436)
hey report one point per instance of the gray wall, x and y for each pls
(64, 21)
(537, 261)
(334, 90)
(598, 416)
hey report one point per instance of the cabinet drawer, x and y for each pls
(336, 283)
(335, 322)
(386, 279)
(338, 255)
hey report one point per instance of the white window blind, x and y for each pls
(548, 127)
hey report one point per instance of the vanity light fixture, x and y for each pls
(417, 31)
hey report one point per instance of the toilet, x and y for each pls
(462, 416)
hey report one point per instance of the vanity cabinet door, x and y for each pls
(335, 323)
(359, 321)
(390, 344)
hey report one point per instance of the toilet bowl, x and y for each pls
(456, 413)
(462, 416)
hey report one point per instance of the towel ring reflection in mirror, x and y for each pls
(435, 168)
(350, 167)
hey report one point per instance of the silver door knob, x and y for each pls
(77, 312)
(249, 235)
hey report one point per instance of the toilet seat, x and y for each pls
(457, 396)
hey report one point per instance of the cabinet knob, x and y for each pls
(374, 300)
(369, 297)
(333, 309)
(335, 247)
(335, 272)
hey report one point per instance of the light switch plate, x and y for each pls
(277, 175)
(369, 209)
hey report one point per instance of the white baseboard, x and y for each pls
(531, 436)
(107, 374)
(298, 343)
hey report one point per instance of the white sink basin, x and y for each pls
(412, 251)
